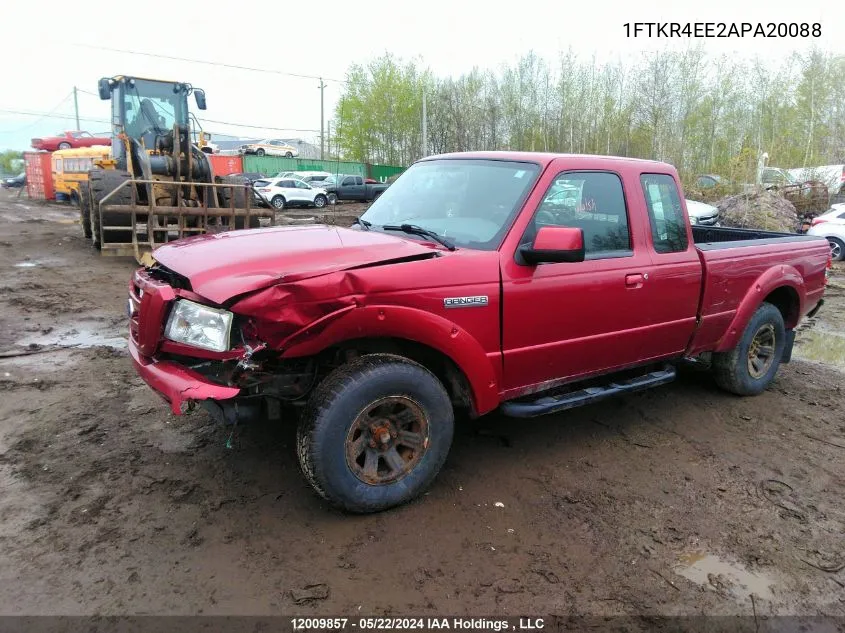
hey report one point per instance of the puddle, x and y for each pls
(822, 346)
(78, 337)
(26, 265)
(723, 577)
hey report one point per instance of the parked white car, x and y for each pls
(311, 177)
(831, 225)
(702, 213)
(270, 147)
(289, 192)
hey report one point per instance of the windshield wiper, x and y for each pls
(413, 229)
(363, 223)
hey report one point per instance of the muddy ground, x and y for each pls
(682, 500)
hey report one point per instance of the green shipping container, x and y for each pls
(383, 172)
(272, 165)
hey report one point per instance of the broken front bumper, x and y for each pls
(179, 386)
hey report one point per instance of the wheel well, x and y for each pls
(786, 300)
(444, 368)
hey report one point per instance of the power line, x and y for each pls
(50, 115)
(235, 124)
(43, 115)
(209, 63)
(258, 127)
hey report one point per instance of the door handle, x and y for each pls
(635, 280)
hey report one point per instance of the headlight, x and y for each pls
(198, 325)
(693, 219)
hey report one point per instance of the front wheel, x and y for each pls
(837, 249)
(375, 433)
(320, 201)
(259, 152)
(750, 367)
(288, 155)
(332, 198)
(64, 145)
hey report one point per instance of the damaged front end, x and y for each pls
(229, 357)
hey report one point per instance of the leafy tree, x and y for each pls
(702, 113)
(10, 162)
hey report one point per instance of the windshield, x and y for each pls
(152, 106)
(469, 201)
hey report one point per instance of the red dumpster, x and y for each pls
(39, 176)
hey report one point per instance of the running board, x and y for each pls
(555, 403)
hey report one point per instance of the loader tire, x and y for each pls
(750, 367)
(240, 200)
(102, 183)
(85, 208)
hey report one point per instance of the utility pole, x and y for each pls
(424, 128)
(329, 137)
(322, 121)
(76, 107)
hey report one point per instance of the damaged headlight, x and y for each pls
(198, 325)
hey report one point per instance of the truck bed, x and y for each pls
(718, 237)
(738, 264)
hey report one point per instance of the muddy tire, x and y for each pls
(240, 200)
(102, 182)
(375, 433)
(85, 208)
(750, 367)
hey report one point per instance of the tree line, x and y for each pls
(702, 113)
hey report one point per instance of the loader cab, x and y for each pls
(149, 111)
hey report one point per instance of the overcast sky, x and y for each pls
(43, 60)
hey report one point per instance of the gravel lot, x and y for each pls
(682, 500)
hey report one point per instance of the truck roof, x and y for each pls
(544, 158)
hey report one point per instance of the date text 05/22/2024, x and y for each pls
(419, 624)
(723, 29)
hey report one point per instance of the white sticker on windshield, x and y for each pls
(519, 174)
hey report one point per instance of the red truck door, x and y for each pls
(676, 277)
(566, 320)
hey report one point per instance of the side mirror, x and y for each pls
(104, 88)
(555, 244)
(199, 95)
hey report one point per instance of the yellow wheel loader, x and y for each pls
(158, 185)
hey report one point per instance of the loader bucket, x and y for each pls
(129, 229)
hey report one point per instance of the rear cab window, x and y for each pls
(665, 214)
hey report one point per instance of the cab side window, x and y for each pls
(665, 215)
(594, 202)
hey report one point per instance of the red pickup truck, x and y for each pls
(524, 282)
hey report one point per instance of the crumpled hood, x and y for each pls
(223, 265)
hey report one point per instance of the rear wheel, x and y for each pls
(278, 203)
(102, 182)
(837, 249)
(85, 208)
(288, 155)
(750, 367)
(375, 433)
(64, 145)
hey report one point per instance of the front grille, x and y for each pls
(150, 297)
